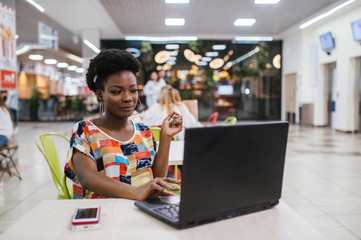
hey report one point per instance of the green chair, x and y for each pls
(46, 144)
(156, 132)
(230, 120)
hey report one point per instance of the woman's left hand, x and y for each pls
(172, 124)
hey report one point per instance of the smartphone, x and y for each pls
(86, 218)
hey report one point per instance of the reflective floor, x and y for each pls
(322, 180)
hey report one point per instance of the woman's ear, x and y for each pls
(99, 95)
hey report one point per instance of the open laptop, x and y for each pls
(227, 171)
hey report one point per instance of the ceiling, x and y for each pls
(206, 19)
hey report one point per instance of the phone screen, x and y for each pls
(86, 213)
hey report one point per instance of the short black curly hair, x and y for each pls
(108, 62)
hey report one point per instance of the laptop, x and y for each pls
(227, 171)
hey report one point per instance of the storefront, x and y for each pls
(232, 78)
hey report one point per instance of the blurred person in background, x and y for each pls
(162, 76)
(152, 89)
(170, 101)
(12, 102)
(6, 123)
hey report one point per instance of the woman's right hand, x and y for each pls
(156, 188)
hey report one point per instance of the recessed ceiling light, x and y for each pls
(201, 63)
(36, 57)
(173, 53)
(172, 59)
(219, 47)
(50, 61)
(206, 59)
(244, 22)
(176, 1)
(253, 39)
(80, 70)
(266, 1)
(62, 65)
(211, 54)
(174, 21)
(161, 39)
(72, 68)
(172, 46)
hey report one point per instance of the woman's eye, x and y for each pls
(134, 90)
(115, 92)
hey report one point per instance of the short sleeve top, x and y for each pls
(129, 162)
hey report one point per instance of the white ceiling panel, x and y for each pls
(203, 18)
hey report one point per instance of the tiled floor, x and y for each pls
(322, 179)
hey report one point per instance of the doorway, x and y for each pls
(290, 97)
(331, 72)
(358, 81)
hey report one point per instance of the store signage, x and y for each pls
(48, 36)
(7, 48)
(8, 79)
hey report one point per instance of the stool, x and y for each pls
(6, 160)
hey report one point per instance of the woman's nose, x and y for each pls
(127, 97)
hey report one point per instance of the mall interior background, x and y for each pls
(289, 78)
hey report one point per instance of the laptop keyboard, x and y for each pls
(169, 211)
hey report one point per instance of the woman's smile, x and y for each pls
(127, 108)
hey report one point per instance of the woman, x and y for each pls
(112, 156)
(6, 124)
(152, 89)
(169, 101)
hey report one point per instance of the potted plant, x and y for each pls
(34, 105)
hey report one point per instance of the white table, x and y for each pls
(176, 153)
(120, 219)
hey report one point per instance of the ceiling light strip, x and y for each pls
(75, 58)
(266, 1)
(245, 56)
(91, 46)
(253, 39)
(161, 39)
(244, 22)
(177, 1)
(324, 15)
(40, 8)
(174, 21)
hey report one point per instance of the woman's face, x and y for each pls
(120, 94)
(154, 76)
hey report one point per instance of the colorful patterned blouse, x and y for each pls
(128, 162)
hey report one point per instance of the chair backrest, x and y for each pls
(212, 120)
(231, 120)
(156, 132)
(46, 144)
(192, 105)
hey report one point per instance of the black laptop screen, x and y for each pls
(229, 168)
